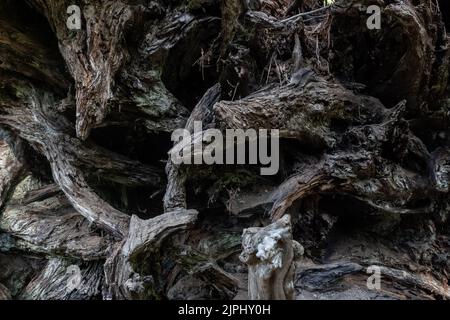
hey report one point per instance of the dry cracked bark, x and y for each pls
(34, 124)
(126, 276)
(52, 282)
(4, 293)
(85, 123)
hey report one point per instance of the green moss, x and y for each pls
(193, 5)
(223, 177)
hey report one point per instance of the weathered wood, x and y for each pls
(205, 268)
(16, 269)
(347, 280)
(305, 113)
(364, 161)
(92, 67)
(31, 54)
(424, 44)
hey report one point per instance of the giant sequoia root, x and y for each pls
(92, 206)
(269, 254)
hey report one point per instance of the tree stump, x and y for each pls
(269, 255)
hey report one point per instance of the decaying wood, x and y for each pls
(340, 276)
(4, 293)
(51, 226)
(205, 267)
(126, 278)
(269, 254)
(175, 196)
(302, 112)
(86, 118)
(17, 271)
(92, 67)
(11, 166)
(57, 282)
(220, 279)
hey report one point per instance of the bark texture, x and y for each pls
(92, 206)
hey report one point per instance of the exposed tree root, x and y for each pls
(86, 118)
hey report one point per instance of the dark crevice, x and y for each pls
(444, 6)
(135, 143)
